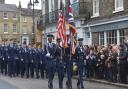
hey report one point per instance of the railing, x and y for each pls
(80, 9)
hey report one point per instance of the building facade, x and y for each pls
(16, 23)
(50, 13)
(9, 22)
(26, 24)
(108, 22)
(100, 22)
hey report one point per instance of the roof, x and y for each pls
(8, 7)
(29, 12)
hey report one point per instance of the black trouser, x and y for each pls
(32, 66)
(17, 67)
(22, 68)
(11, 68)
(42, 69)
(37, 69)
(27, 67)
(4, 66)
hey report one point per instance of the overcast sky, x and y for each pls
(23, 3)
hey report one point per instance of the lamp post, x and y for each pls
(32, 4)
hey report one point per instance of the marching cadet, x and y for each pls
(79, 52)
(49, 51)
(23, 56)
(36, 61)
(4, 57)
(42, 62)
(31, 58)
(17, 58)
(69, 65)
(60, 63)
(11, 59)
(0, 55)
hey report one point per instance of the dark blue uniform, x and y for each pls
(4, 50)
(80, 62)
(60, 65)
(24, 59)
(69, 66)
(11, 60)
(32, 58)
(37, 62)
(50, 63)
(42, 62)
(17, 59)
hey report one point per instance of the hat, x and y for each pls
(58, 39)
(80, 39)
(50, 35)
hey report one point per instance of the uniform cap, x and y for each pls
(80, 39)
(50, 35)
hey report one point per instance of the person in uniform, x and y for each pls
(17, 58)
(79, 53)
(23, 56)
(31, 58)
(60, 63)
(4, 57)
(49, 52)
(11, 59)
(69, 64)
(41, 62)
(36, 61)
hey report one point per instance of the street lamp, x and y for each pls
(31, 4)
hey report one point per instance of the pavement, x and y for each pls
(6, 85)
(104, 82)
(23, 83)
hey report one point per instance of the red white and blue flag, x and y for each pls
(61, 33)
(72, 27)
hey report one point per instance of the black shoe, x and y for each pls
(78, 87)
(38, 77)
(82, 88)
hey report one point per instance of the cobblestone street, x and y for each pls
(22, 83)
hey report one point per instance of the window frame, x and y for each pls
(117, 7)
(14, 16)
(5, 16)
(14, 26)
(96, 8)
(5, 30)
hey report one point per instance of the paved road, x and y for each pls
(42, 84)
(5, 85)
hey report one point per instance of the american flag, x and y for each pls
(61, 33)
(72, 27)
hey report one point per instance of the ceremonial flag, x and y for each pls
(61, 33)
(72, 27)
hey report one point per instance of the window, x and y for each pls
(118, 5)
(5, 16)
(24, 30)
(101, 38)
(112, 37)
(14, 16)
(14, 28)
(5, 28)
(122, 35)
(24, 19)
(87, 34)
(95, 8)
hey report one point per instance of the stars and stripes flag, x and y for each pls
(61, 33)
(72, 27)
